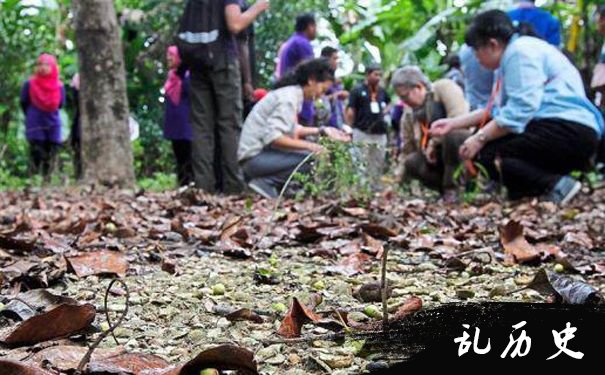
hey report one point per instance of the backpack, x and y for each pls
(202, 37)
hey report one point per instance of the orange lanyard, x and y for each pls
(424, 142)
(490, 104)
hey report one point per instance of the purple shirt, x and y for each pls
(307, 114)
(40, 125)
(176, 117)
(296, 50)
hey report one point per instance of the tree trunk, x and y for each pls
(106, 149)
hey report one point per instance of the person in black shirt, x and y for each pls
(366, 111)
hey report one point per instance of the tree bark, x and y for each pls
(106, 149)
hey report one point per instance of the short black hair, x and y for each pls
(453, 61)
(373, 68)
(303, 21)
(493, 24)
(316, 69)
(328, 51)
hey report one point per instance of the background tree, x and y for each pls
(106, 149)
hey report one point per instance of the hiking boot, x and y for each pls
(564, 191)
(263, 188)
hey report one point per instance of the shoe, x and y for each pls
(564, 191)
(263, 188)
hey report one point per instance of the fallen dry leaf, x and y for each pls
(99, 263)
(296, 317)
(245, 314)
(19, 368)
(515, 244)
(351, 265)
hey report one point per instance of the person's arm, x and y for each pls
(238, 21)
(290, 143)
(444, 126)
(244, 60)
(476, 142)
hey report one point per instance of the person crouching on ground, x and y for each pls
(272, 143)
(542, 128)
(432, 160)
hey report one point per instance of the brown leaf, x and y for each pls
(129, 363)
(373, 246)
(244, 314)
(410, 306)
(371, 292)
(99, 263)
(62, 321)
(356, 211)
(32, 302)
(515, 244)
(169, 265)
(222, 358)
(296, 317)
(67, 358)
(230, 227)
(378, 231)
(565, 289)
(351, 265)
(19, 245)
(19, 368)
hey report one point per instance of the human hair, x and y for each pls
(373, 68)
(493, 24)
(303, 21)
(410, 76)
(328, 51)
(315, 69)
(601, 10)
(453, 61)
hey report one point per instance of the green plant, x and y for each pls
(158, 183)
(336, 173)
(473, 185)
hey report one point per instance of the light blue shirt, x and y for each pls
(539, 82)
(478, 81)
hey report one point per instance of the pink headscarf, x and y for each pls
(174, 84)
(45, 90)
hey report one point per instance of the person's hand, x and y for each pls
(343, 95)
(470, 148)
(316, 148)
(442, 127)
(262, 5)
(336, 134)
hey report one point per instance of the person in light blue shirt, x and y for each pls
(478, 81)
(542, 127)
(545, 25)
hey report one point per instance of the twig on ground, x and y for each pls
(383, 286)
(111, 329)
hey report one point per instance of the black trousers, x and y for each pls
(184, 168)
(530, 164)
(42, 156)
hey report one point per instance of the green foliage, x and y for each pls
(158, 182)
(336, 173)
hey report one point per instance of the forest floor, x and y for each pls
(189, 260)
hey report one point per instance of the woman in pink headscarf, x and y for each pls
(41, 98)
(177, 127)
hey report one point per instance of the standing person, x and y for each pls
(75, 136)
(478, 81)
(542, 127)
(208, 48)
(272, 144)
(544, 24)
(336, 95)
(368, 104)
(296, 50)
(433, 161)
(177, 127)
(41, 98)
